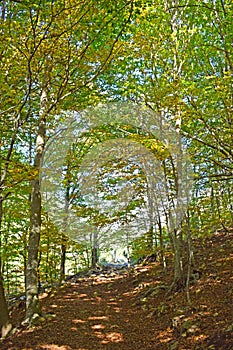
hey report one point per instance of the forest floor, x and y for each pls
(132, 310)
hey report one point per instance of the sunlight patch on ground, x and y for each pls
(200, 337)
(117, 309)
(142, 269)
(112, 337)
(43, 295)
(83, 295)
(103, 280)
(127, 294)
(55, 347)
(94, 318)
(78, 321)
(68, 297)
(112, 303)
(165, 336)
(142, 286)
(98, 326)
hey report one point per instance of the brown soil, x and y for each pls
(123, 312)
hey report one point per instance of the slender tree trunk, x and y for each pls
(5, 324)
(94, 251)
(149, 239)
(179, 278)
(174, 228)
(161, 243)
(230, 203)
(94, 257)
(87, 251)
(64, 239)
(63, 260)
(32, 300)
(191, 262)
(179, 282)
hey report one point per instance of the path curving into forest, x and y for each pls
(131, 310)
(91, 313)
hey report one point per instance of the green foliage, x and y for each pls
(140, 248)
(14, 231)
(168, 55)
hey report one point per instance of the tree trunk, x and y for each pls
(32, 300)
(5, 324)
(63, 260)
(161, 243)
(64, 239)
(190, 260)
(149, 240)
(179, 278)
(94, 257)
(94, 250)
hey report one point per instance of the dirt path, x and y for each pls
(99, 313)
(117, 313)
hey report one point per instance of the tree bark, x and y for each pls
(94, 250)
(63, 260)
(64, 239)
(94, 257)
(5, 324)
(161, 243)
(179, 279)
(32, 300)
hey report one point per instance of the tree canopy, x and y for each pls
(83, 83)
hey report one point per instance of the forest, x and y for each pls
(116, 142)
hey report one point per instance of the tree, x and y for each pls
(177, 61)
(174, 57)
(62, 48)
